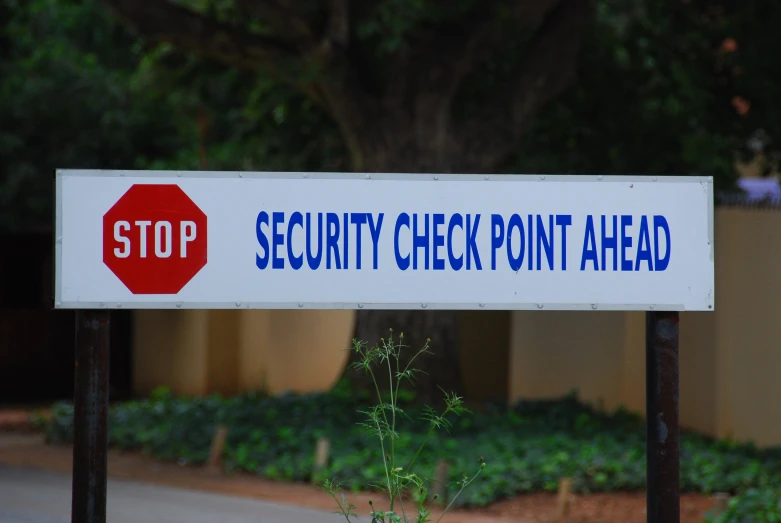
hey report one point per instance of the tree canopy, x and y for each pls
(666, 87)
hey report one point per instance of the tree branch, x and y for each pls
(337, 86)
(162, 21)
(188, 31)
(359, 115)
(339, 22)
(429, 78)
(486, 34)
(549, 69)
(283, 18)
(448, 54)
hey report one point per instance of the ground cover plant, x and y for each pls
(753, 506)
(527, 446)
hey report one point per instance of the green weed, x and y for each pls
(400, 481)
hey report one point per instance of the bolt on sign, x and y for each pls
(161, 239)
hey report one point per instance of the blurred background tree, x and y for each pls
(543, 86)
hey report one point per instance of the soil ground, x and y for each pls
(19, 446)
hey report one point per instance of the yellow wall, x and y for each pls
(730, 359)
(633, 364)
(748, 325)
(699, 371)
(170, 348)
(294, 350)
(586, 355)
(225, 351)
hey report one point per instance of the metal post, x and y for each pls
(663, 448)
(90, 423)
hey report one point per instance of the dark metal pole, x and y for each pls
(661, 389)
(90, 423)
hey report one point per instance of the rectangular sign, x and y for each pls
(206, 240)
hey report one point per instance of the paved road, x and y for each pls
(32, 496)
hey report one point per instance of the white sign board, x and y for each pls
(150, 239)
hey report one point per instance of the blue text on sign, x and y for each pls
(438, 241)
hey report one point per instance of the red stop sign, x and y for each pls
(154, 239)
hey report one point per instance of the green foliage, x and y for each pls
(389, 27)
(79, 90)
(383, 420)
(654, 96)
(655, 93)
(753, 506)
(65, 102)
(253, 122)
(528, 447)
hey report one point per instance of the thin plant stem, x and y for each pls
(420, 448)
(463, 486)
(379, 431)
(421, 351)
(393, 429)
(398, 387)
(384, 461)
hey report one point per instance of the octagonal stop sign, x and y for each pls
(154, 239)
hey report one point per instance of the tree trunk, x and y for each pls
(407, 146)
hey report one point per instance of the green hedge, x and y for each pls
(753, 506)
(527, 447)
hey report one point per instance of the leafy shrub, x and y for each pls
(527, 446)
(753, 506)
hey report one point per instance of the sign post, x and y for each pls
(264, 240)
(90, 413)
(661, 396)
